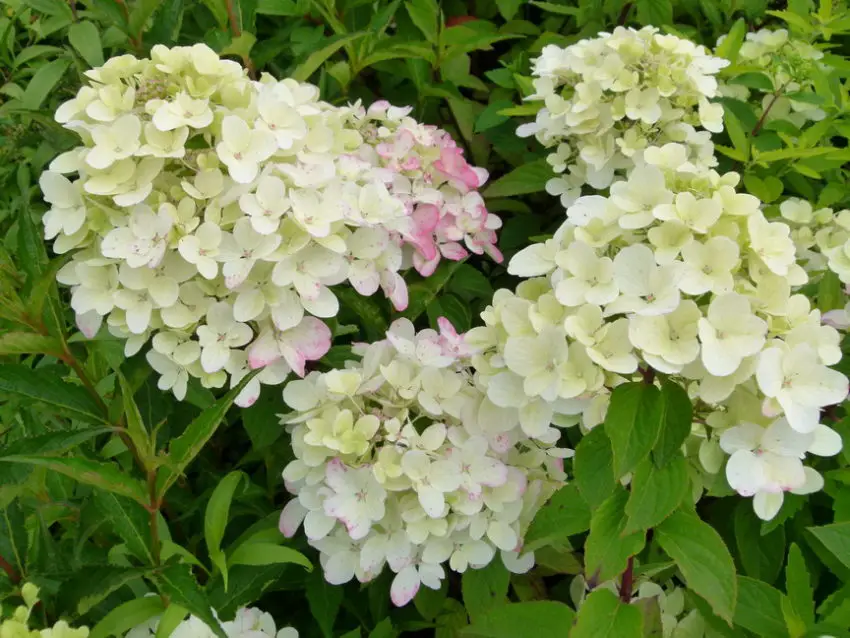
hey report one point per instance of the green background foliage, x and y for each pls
(110, 489)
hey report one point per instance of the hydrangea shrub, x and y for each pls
(639, 432)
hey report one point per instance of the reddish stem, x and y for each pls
(627, 581)
(11, 572)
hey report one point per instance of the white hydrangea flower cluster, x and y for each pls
(249, 622)
(401, 460)
(609, 99)
(788, 63)
(676, 272)
(211, 213)
(822, 239)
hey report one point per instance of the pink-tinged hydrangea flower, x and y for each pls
(223, 210)
(402, 461)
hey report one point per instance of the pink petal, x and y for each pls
(395, 288)
(263, 351)
(453, 251)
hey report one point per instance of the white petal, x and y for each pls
(813, 482)
(291, 518)
(745, 473)
(502, 535)
(767, 504)
(339, 568)
(827, 442)
(317, 525)
(432, 501)
(404, 587)
(517, 563)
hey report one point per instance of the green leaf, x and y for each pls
(676, 421)
(703, 559)
(383, 629)
(535, 618)
(187, 446)
(798, 585)
(767, 189)
(127, 615)
(43, 82)
(557, 8)
(16, 343)
(429, 602)
(656, 492)
(277, 8)
(509, 8)
(129, 520)
(754, 80)
(177, 582)
(267, 554)
(767, 157)
(241, 46)
(759, 608)
(324, 600)
(761, 555)
(593, 465)
(470, 283)
(261, 421)
(246, 585)
(219, 11)
(603, 615)
(483, 589)
(655, 12)
(106, 476)
(13, 536)
(69, 400)
(94, 584)
(740, 138)
(830, 292)
(836, 539)
(633, 423)
(731, 44)
(565, 514)
(528, 178)
(135, 426)
(141, 13)
(422, 293)
(425, 14)
(304, 70)
(370, 313)
(492, 116)
(215, 519)
(85, 38)
(171, 619)
(608, 549)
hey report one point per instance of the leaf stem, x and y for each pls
(69, 359)
(11, 572)
(776, 95)
(627, 580)
(153, 510)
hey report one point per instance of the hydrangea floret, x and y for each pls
(610, 100)
(402, 460)
(675, 273)
(211, 214)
